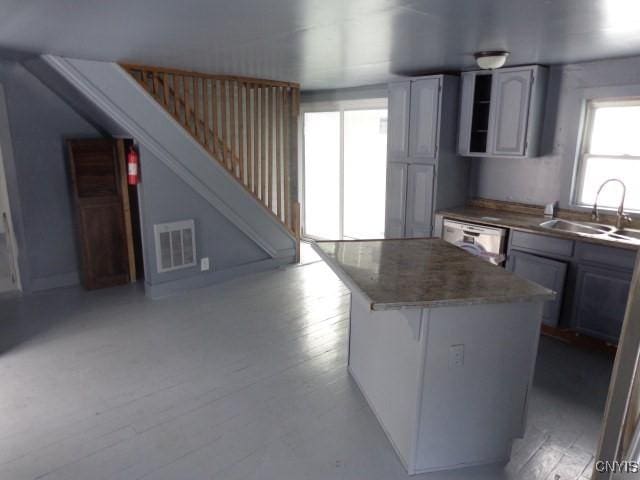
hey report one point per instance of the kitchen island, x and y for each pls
(442, 346)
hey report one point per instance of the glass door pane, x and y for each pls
(322, 174)
(365, 166)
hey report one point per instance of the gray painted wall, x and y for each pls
(34, 129)
(549, 177)
(166, 198)
(356, 93)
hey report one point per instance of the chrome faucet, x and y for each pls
(621, 217)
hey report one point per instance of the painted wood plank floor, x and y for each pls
(242, 380)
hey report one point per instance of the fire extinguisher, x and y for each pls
(133, 167)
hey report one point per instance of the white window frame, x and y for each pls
(333, 106)
(583, 152)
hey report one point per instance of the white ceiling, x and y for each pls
(322, 43)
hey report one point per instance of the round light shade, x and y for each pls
(491, 60)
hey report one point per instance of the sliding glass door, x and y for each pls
(345, 153)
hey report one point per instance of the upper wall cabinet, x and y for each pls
(425, 107)
(501, 112)
(398, 136)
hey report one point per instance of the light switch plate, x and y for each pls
(456, 356)
(204, 264)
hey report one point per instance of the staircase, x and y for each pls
(247, 125)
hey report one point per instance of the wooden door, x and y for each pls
(396, 199)
(398, 128)
(97, 190)
(419, 200)
(510, 95)
(543, 271)
(423, 127)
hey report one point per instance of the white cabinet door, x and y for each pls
(398, 123)
(510, 95)
(419, 200)
(425, 108)
(396, 199)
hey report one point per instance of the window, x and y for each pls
(610, 149)
(345, 152)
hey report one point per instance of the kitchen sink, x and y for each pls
(577, 227)
(626, 233)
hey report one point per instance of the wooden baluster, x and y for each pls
(195, 84)
(241, 122)
(175, 97)
(249, 131)
(145, 81)
(233, 128)
(181, 103)
(263, 147)
(277, 156)
(205, 112)
(165, 86)
(285, 160)
(214, 110)
(223, 106)
(270, 133)
(156, 86)
(257, 148)
(293, 162)
(270, 141)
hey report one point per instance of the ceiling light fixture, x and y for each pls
(491, 60)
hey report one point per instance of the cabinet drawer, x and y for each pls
(603, 255)
(542, 244)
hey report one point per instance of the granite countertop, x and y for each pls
(528, 223)
(419, 273)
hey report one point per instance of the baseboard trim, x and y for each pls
(200, 280)
(54, 281)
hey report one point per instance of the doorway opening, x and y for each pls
(344, 169)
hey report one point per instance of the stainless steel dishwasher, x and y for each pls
(489, 243)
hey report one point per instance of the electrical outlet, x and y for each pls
(456, 356)
(204, 264)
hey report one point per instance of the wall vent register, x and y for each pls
(175, 245)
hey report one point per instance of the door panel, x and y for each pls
(98, 199)
(511, 92)
(396, 200)
(419, 200)
(543, 271)
(600, 301)
(425, 107)
(466, 113)
(398, 123)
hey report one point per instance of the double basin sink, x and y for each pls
(592, 230)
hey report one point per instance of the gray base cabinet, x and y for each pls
(592, 281)
(600, 301)
(543, 271)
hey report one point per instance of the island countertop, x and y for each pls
(424, 273)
